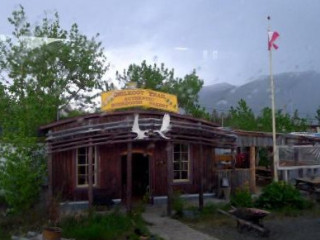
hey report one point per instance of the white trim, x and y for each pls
(95, 170)
(299, 167)
(184, 180)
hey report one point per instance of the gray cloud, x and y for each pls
(235, 32)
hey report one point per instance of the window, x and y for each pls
(83, 167)
(181, 162)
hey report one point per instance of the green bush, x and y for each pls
(178, 204)
(112, 226)
(4, 235)
(3, 201)
(95, 227)
(241, 198)
(280, 195)
(22, 174)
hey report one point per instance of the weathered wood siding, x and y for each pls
(63, 174)
(238, 177)
(109, 179)
(109, 169)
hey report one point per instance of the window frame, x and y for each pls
(95, 167)
(181, 180)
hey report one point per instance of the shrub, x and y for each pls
(279, 195)
(178, 204)
(95, 227)
(242, 198)
(21, 174)
(4, 235)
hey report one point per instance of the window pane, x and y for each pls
(83, 166)
(184, 147)
(82, 170)
(185, 166)
(82, 159)
(184, 156)
(176, 147)
(81, 151)
(81, 180)
(176, 166)
(184, 174)
(176, 156)
(181, 162)
(176, 175)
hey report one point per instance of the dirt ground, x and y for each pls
(286, 228)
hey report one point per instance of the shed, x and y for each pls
(100, 154)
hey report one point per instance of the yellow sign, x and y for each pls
(118, 99)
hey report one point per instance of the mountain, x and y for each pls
(300, 90)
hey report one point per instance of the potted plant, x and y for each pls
(52, 232)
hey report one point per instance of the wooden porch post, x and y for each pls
(170, 178)
(252, 182)
(232, 182)
(201, 178)
(90, 181)
(151, 176)
(129, 177)
(50, 180)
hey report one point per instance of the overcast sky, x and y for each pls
(224, 40)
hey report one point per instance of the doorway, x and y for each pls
(140, 174)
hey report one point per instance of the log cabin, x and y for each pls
(128, 154)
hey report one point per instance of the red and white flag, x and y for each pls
(272, 37)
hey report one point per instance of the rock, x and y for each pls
(31, 234)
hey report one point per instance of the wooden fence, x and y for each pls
(238, 177)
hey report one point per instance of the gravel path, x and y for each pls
(171, 229)
(298, 228)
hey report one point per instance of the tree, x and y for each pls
(284, 122)
(318, 115)
(37, 79)
(65, 67)
(22, 173)
(162, 79)
(4, 106)
(242, 117)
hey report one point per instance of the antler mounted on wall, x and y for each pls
(142, 134)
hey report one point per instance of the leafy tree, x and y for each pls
(4, 106)
(43, 69)
(21, 175)
(162, 79)
(65, 67)
(215, 116)
(318, 115)
(284, 122)
(242, 117)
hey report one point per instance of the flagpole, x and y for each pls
(274, 138)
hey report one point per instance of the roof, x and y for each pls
(116, 127)
(264, 139)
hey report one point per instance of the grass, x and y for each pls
(4, 235)
(209, 214)
(114, 225)
(97, 227)
(90, 225)
(20, 223)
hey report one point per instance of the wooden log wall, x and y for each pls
(238, 177)
(109, 181)
(62, 175)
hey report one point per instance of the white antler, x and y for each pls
(165, 127)
(141, 134)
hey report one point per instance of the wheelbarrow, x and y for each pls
(249, 218)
